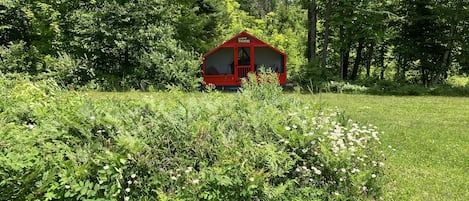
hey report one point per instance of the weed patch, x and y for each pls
(254, 145)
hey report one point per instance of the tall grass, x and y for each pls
(255, 145)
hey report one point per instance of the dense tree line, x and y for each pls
(129, 43)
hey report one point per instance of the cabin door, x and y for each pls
(244, 61)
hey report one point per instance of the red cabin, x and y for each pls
(228, 63)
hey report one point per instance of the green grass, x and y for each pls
(429, 136)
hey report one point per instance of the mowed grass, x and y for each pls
(426, 139)
(429, 136)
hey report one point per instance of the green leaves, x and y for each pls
(62, 145)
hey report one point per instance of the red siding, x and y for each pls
(242, 39)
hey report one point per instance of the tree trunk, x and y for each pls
(312, 21)
(446, 62)
(344, 62)
(401, 68)
(424, 73)
(326, 32)
(369, 58)
(358, 59)
(381, 61)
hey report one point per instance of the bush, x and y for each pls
(458, 81)
(69, 72)
(19, 58)
(254, 145)
(344, 87)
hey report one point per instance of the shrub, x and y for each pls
(344, 87)
(253, 145)
(458, 81)
(19, 58)
(69, 72)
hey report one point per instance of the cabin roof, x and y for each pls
(243, 39)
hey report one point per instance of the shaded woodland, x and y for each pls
(135, 44)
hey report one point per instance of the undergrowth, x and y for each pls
(254, 145)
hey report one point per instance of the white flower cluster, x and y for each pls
(348, 151)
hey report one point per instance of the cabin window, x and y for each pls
(269, 59)
(243, 56)
(220, 62)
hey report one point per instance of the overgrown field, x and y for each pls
(426, 140)
(259, 144)
(256, 145)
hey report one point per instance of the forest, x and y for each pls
(123, 44)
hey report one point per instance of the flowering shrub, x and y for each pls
(59, 145)
(344, 87)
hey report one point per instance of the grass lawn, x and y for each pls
(429, 136)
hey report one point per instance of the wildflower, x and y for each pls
(189, 169)
(133, 176)
(355, 170)
(106, 167)
(127, 190)
(373, 176)
(316, 171)
(287, 128)
(92, 118)
(129, 182)
(336, 193)
(251, 179)
(174, 178)
(30, 126)
(67, 186)
(195, 181)
(126, 198)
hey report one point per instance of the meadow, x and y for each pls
(259, 144)
(426, 139)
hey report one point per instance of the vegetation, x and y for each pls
(60, 145)
(428, 151)
(425, 139)
(258, 144)
(137, 44)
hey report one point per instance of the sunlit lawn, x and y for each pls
(428, 136)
